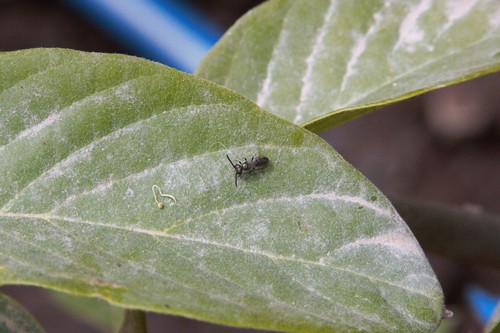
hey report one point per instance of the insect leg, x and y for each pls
(235, 171)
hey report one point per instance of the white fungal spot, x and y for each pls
(307, 79)
(266, 90)
(410, 32)
(401, 243)
(32, 131)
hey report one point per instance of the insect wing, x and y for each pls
(261, 163)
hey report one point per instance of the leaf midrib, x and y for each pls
(48, 217)
(154, 233)
(183, 285)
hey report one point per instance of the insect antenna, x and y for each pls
(230, 161)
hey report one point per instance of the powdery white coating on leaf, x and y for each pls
(125, 92)
(34, 130)
(302, 199)
(495, 18)
(404, 46)
(64, 168)
(344, 311)
(355, 200)
(360, 47)
(200, 240)
(408, 315)
(401, 243)
(219, 253)
(410, 32)
(172, 172)
(99, 190)
(68, 242)
(317, 49)
(267, 84)
(456, 9)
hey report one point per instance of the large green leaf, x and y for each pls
(308, 244)
(93, 311)
(321, 63)
(15, 319)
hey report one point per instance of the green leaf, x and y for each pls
(14, 318)
(322, 63)
(307, 244)
(93, 311)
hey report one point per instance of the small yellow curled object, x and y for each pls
(158, 203)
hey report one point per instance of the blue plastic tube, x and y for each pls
(482, 302)
(161, 30)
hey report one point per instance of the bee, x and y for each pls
(257, 163)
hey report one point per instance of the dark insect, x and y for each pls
(255, 164)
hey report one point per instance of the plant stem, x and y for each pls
(467, 234)
(134, 322)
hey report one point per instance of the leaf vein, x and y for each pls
(318, 47)
(179, 237)
(383, 86)
(265, 90)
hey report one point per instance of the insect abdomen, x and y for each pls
(261, 162)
